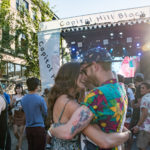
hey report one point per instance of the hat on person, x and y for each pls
(139, 77)
(97, 54)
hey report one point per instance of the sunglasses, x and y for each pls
(84, 70)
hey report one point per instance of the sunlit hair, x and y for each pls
(65, 80)
(17, 87)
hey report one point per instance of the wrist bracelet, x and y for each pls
(49, 133)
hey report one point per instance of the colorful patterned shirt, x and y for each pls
(145, 103)
(108, 104)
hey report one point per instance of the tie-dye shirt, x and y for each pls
(108, 104)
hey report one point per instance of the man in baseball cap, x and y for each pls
(105, 105)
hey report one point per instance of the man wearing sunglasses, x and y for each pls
(105, 105)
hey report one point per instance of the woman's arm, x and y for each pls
(143, 116)
(105, 140)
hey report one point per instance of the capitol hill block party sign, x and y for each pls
(48, 43)
(98, 18)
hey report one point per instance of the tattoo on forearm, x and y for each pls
(83, 116)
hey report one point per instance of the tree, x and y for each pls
(28, 26)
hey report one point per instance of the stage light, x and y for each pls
(137, 44)
(123, 48)
(83, 36)
(73, 49)
(120, 34)
(139, 54)
(111, 34)
(130, 46)
(146, 47)
(111, 50)
(98, 47)
(78, 57)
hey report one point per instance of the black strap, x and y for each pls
(62, 111)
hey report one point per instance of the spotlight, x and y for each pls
(121, 33)
(73, 49)
(83, 36)
(111, 50)
(111, 34)
(98, 47)
(139, 54)
(123, 48)
(137, 44)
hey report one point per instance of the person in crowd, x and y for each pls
(143, 125)
(139, 78)
(7, 99)
(19, 116)
(35, 110)
(48, 138)
(105, 105)
(121, 78)
(45, 94)
(3, 122)
(132, 87)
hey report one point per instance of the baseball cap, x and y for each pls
(97, 54)
(139, 77)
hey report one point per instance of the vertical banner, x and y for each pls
(49, 59)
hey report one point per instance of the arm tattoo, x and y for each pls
(83, 117)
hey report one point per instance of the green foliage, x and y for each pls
(27, 26)
(6, 24)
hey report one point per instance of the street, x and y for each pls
(14, 141)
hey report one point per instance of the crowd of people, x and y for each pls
(87, 108)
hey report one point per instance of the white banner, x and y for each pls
(49, 59)
(99, 18)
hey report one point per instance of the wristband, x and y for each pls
(49, 133)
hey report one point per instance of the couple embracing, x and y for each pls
(93, 121)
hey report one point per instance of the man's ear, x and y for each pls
(96, 66)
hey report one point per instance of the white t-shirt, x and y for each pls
(145, 103)
(130, 94)
(17, 104)
(2, 104)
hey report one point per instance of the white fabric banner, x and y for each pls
(49, 59)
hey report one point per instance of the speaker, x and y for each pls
(145, 65)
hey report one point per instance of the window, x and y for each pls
(21, 41)
(34, 15)
(26, 4)
(22, 3)
(23, 70)
(17, 4)
(11, 69)
(18, 70)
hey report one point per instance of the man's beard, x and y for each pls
(91, 82)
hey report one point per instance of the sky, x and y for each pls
(71, 8)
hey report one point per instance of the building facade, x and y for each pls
(19, 24)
